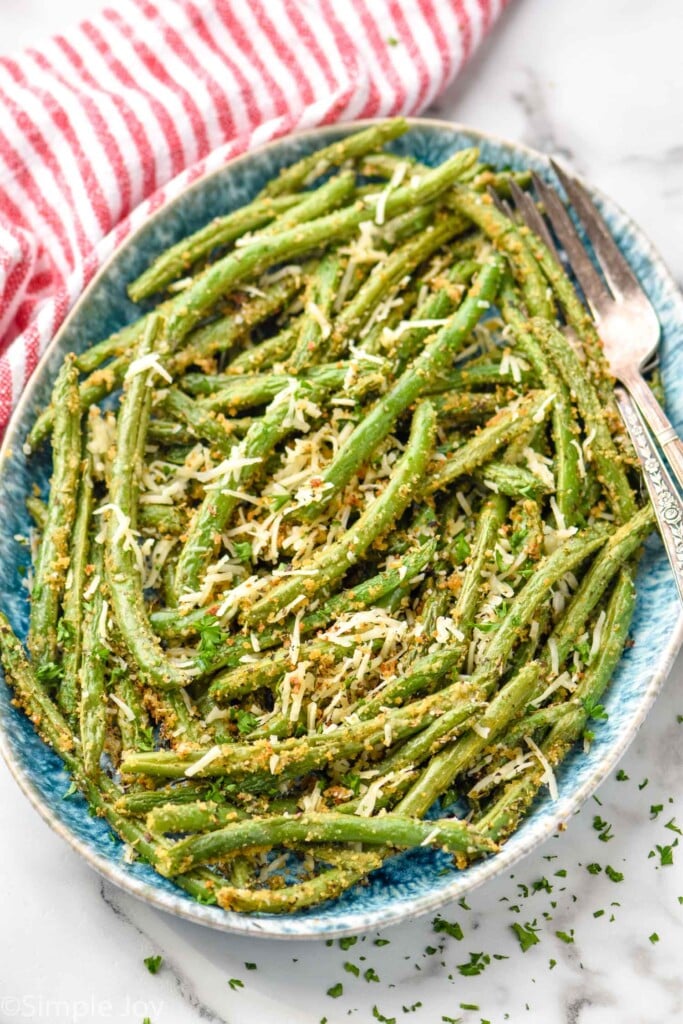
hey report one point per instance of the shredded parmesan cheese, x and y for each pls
(150, 362)
(126, 708)
(548, 774)
(203, 762)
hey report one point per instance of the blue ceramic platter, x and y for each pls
(413, 883)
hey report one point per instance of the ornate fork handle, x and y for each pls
(665, 498)
(656, 419)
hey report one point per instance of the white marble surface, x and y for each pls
(601, 83)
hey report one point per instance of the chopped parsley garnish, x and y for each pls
(249, 966)
(527, 934)
(567, 937)
(210, 636)
(371, 974)
(603, 827)
(245, 721)
(451, 928)
(352, 968)
(616, 876)
(666, 854)
(243, 550)
(654, 938)
(348, 941)
(593, 869)
(50, 672)
(336, 990)
(235, 983)
(461, 548)
(477, 964)
(381, 1018)
(153, 963)
(595, 710)
(352, 781)
(622, 776)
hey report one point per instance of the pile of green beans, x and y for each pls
(349, 567)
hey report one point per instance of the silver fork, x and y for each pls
(623, 314)
(611, 312)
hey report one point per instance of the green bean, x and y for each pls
(564, 431)
(134, 724)
(169, 433)
(218, 279)
(296, 757)
(618, 549)
(299, 895)
(223, 334)
(164, 520)
(72, 604)
(222, 497)
(169, 622)
(381, 326)
(576, 316)
(504, 427)
(244, 392)
(333, 562)
(30, 693)
(504, 707)
(179, 258)
(268, 671)
(93, 672)
(313, 329)
(521, 609)
(387, 275)
(122, 569)
(208, 426)
(37, 509)
(509, 239)
(514, 481)
(503, 815)
(391, 829)
(423, 746)
(416, 379)
(351, 147)
(534, 722)
(141, 801)
(603, 452)
(53, 557)
(201, 816)
(185, 310)
(265, 354)
(445, 766)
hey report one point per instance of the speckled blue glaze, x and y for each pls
(413, 883)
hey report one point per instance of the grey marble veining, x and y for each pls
(602, 85)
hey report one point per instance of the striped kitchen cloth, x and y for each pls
(103, 124)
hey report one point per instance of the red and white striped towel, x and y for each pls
(103, 124)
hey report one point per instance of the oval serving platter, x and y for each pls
(422, 880)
